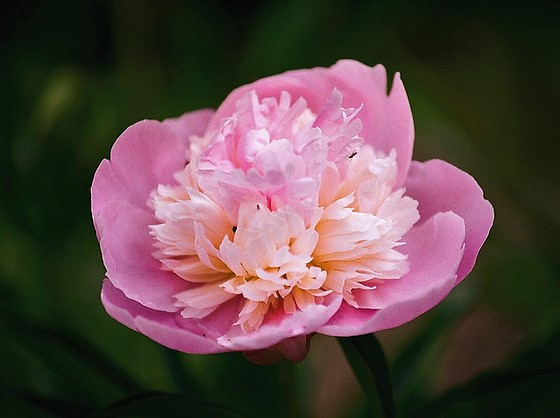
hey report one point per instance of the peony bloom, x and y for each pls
(293, 209)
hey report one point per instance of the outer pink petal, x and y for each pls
(280, 327)
(145, 155)
(164, 327)
(387, 120)
(434, 251)
(127, 248)
(438, 187)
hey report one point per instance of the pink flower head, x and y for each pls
(293, 209)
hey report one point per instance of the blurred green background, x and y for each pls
(483, 79)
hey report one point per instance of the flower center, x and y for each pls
(280, 209)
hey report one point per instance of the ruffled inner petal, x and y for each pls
(434, 250)
(282, 209)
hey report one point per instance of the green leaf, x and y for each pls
(505, 393)
(510, 268)
(59, 408)
(250, 387)
(412, 368)
(184, 380)
(59, 349)
(163, 405)
(367, 359)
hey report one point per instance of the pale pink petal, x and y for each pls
(278, 326)
(387, 120)
(434, 251)
(127, 247)
(200, 301)
(163, 327)
(190, 123)
(439, 187)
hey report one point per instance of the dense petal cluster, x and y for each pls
(293, 209)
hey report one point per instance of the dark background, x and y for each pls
(483, 79)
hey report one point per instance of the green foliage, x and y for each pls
(484, 85)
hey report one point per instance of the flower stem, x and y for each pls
(367, 359)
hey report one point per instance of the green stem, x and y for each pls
(367, 359)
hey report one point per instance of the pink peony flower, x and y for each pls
(293, 209)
